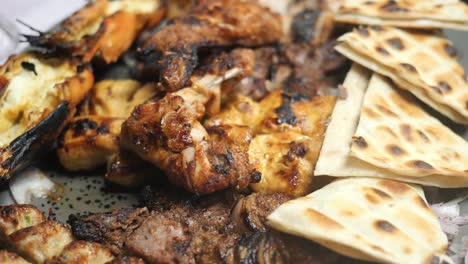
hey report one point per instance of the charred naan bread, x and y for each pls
(402, 13)
(335, 158)
(367, 218)
(422, 63)
(103, 28)
(394, 133)
(38, 96)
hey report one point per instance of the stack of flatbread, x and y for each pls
(451, 14)
(380, 142)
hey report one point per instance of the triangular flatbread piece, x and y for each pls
(394, 133)
(452, 14)
(335, 160)
(422, 63)
(367, 218)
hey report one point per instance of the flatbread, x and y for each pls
(367, 218)
(403, 13)
(423, 63)
(394, 133)
(335, 160)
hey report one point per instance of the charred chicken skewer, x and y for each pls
(103, 29)
(168, 132)
(211, 23)
(39, 94)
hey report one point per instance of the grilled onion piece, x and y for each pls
(103, 28)
(38, 95)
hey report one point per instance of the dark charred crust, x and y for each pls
(286, 114)
(80, 126)
(423, 136)
(256, 176)
(385, 226)
(420, 164)
(363, 31)
(304, 24)
(409, 67)
(396, 43)
(392, 6)
(376, 28)
(360, 142)
(29, 67)
(381, 193)
(395, 150)
(382, 51)
(296, 150)
(445, 86)
(103, 129)
(450, 50)
(21, 151)
(406, 132)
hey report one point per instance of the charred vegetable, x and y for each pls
(103, 28)
(38, 95)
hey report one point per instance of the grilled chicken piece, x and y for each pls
(168, 133)
(126, 260)
(38, 95)
(91, 138)
(110, 229)
(41, 242)
(103, 28)
(211, 23)
(116, 98)
(88, 141)
(128, 170)
(289, 129)
(17, 217)
(11, 258)
(79, 252)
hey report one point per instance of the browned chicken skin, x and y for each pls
(212, 23)
(168, 132)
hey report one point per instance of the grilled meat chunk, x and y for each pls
(17, 217)
(184, 235)
(288, 128)
(39, 95)
(88, 141)
(110, 229)
(168, 132)
(211, 23)
(116, 98)
(79, 252)
(250, 212)
(91, 138)
(41, 242)
(103, 28)
(11, 258)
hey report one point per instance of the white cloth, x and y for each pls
(40, 14)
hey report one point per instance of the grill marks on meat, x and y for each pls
(109, 229)
(212, 23)
(168, 132)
